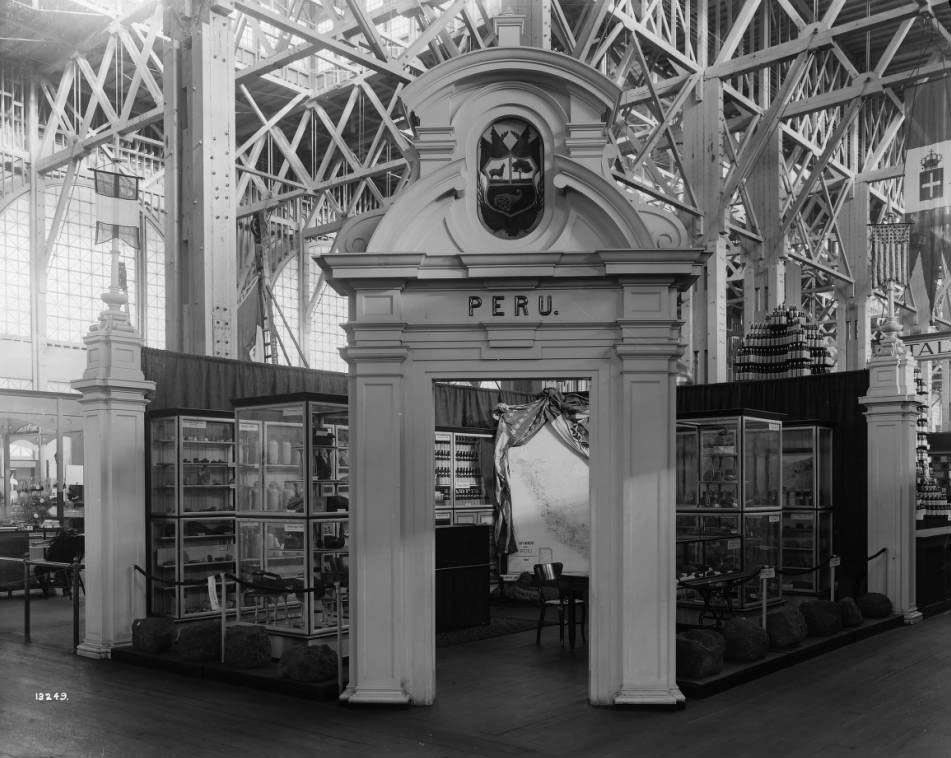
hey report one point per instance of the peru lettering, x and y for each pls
(511, 305)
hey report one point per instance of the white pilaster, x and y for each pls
(891, 411)
(378, 615)
(643, 577)
(113, 403)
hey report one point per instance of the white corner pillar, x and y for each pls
(891, 413)
(113, 405)
(378, 552)
(644, 578)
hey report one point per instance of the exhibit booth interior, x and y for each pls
(514, 425)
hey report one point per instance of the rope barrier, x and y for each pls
(269, 588)
(150, 578)
(875, 555)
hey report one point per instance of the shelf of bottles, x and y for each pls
(293, 494)
(458, 479)
(728, 501)
(931, 497)
(807, 507)
(787, 344)
(191, 509)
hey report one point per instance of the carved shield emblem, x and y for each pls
(511, 173)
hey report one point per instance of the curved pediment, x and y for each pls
(512, 155)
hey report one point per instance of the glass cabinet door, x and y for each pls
(249, 483)
(799, 475)
(762, 477)
(824, 499)
(284, 466)
(687, 462)
(208, 549)
(285, 557)
(330, 561)
(761, 547)
(163, 541)
(163, 466)
(207, 448)
(250, 547)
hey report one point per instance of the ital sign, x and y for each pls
(511, 305)
(929, 347)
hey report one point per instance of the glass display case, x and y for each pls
(728, 490)
(460, 466)
(191, 509)
(807, 506)
(293, 507)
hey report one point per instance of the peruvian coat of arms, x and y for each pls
(511, 190)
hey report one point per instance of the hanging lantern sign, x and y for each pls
(889, 255)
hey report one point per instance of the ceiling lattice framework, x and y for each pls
(321, 137)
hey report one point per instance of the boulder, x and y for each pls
(823, 617)
(745, 641)
(199, 641)
(708, 638)
(154, 634)
(786, 628)
(699, 653)
(309, 664)
(875, 605)
(851, 614)
(247, 647)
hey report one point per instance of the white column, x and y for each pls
(113, 403)
(891, 411)
(378, 553)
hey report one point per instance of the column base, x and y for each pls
(672, 696)
(94, 650)
(913, 617)
(374, 696)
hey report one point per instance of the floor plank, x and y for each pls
(884, 696)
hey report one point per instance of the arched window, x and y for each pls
(511, 174)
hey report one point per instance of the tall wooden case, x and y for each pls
(728, 493)
(807, 507)
(191, 510)
(293, 509)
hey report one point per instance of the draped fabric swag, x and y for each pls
(568, 416)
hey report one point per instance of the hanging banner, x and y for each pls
(117, 207)
(927, 191)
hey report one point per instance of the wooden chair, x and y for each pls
(546, 577)
(65, 547)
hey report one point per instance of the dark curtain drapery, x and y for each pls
(201, 382)
(459, 406)
(197, 381)
(830, 399)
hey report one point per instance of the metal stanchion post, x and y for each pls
(26, 600)
(339, 636)
(74, 578)
(224, 615)
(765, 573)
(834, 561)
(132, 591)
(885, 570)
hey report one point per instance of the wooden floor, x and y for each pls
(889, 695)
